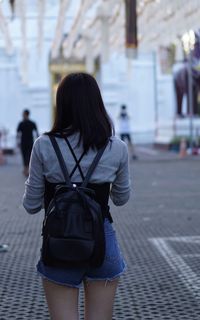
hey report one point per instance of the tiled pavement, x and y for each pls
(159, 231)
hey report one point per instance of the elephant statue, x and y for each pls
(181, 84)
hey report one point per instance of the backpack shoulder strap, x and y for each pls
(77, 165)
(60, 160)
(93, 165)
(77, 161)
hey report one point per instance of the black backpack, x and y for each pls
(73, 228)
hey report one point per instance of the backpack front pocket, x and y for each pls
(64, 249)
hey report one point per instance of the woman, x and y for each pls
(82, 118)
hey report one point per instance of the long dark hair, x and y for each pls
(80, 108)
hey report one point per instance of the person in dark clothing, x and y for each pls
(25, 137)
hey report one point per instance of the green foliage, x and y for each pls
(177, 140)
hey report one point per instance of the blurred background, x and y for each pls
(144, 54)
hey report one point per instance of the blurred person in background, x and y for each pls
(125, 131)
(26, 132)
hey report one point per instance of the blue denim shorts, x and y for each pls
(112, 267)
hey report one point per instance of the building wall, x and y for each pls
(131, 82)
(16, 96)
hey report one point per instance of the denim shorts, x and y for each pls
(112, 267)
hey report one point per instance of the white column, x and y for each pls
(41, 14)
(24, 50)
(6, 33)
(64, 5)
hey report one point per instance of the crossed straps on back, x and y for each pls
(77, 165)
(63, 166)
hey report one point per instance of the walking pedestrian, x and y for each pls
(81, 128)
(125, 130)
(25, 138)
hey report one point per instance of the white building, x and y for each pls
(25, 78)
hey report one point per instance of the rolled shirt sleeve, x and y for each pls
(34, 186)
(120, 191)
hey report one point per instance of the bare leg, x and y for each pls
(132, 150)
(62, 301)
(26, 171)
(99, 299)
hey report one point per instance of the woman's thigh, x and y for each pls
(62, 301)
(99, 299)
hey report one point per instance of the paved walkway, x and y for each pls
(159, 231)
